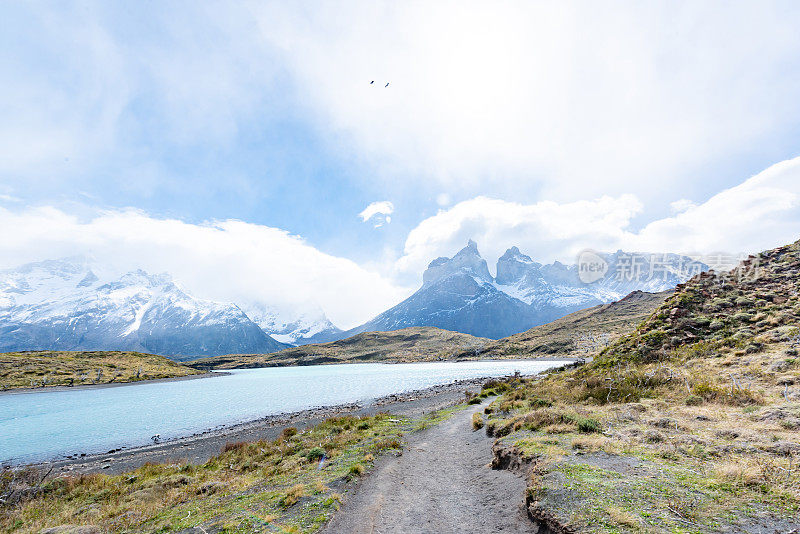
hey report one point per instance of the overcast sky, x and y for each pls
(242, 147)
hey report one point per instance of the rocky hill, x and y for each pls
(405, 345)
(689, 423)
(582, 333)
(747, 308)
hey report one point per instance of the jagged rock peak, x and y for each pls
(467, 261)
(514, 265)
(514, 254)
(472, 247)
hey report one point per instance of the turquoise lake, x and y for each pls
(43, 425)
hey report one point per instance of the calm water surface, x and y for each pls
(42, 425)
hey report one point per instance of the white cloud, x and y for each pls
(443, 199)
(761, 213)
(544, 230)
(577, 96)
(233, 260)
(378, 212)
(679, 206)
(223, 260)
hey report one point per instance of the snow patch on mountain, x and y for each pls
(296, 328)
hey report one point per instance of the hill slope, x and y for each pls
(49, 368)
(581, 333)
(404, 345)
(689, 423)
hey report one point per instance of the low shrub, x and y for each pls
(292, 495)
(234, 446)
(477, 421)
(288, 432)
(587, 425)
(356, 470)
(387, 444)
(316, 453)
(694, 400)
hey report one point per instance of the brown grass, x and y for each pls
(292, 495)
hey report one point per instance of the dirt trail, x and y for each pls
(441, 484)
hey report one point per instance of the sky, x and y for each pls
(255, 149)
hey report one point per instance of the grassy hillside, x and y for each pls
(690, 423)
(56, 368)
(417, 344)
(580, 333)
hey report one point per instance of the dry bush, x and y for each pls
(477, 421)
(589, 443)
(288, 432)
(621, 517)
(739, 474)
(387, 444)
(234, 446)
(292, 495)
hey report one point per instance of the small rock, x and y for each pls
(774, 415)
(727, 434)
(784, 448)
(664, 422)
(652, 436)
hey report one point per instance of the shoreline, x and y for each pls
(200, 446)
(301, 363)
(211, 373)
(79, 387)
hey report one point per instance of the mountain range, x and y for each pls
(65, 305)
(460, 294)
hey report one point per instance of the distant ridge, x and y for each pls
(404, 345)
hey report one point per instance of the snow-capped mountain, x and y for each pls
(560, 286)
(460, 294)
(65, 305)
(457, 294)
(296, 329)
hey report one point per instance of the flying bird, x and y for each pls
(387, 85)
(373, 81)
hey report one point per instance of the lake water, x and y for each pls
(43, 425)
